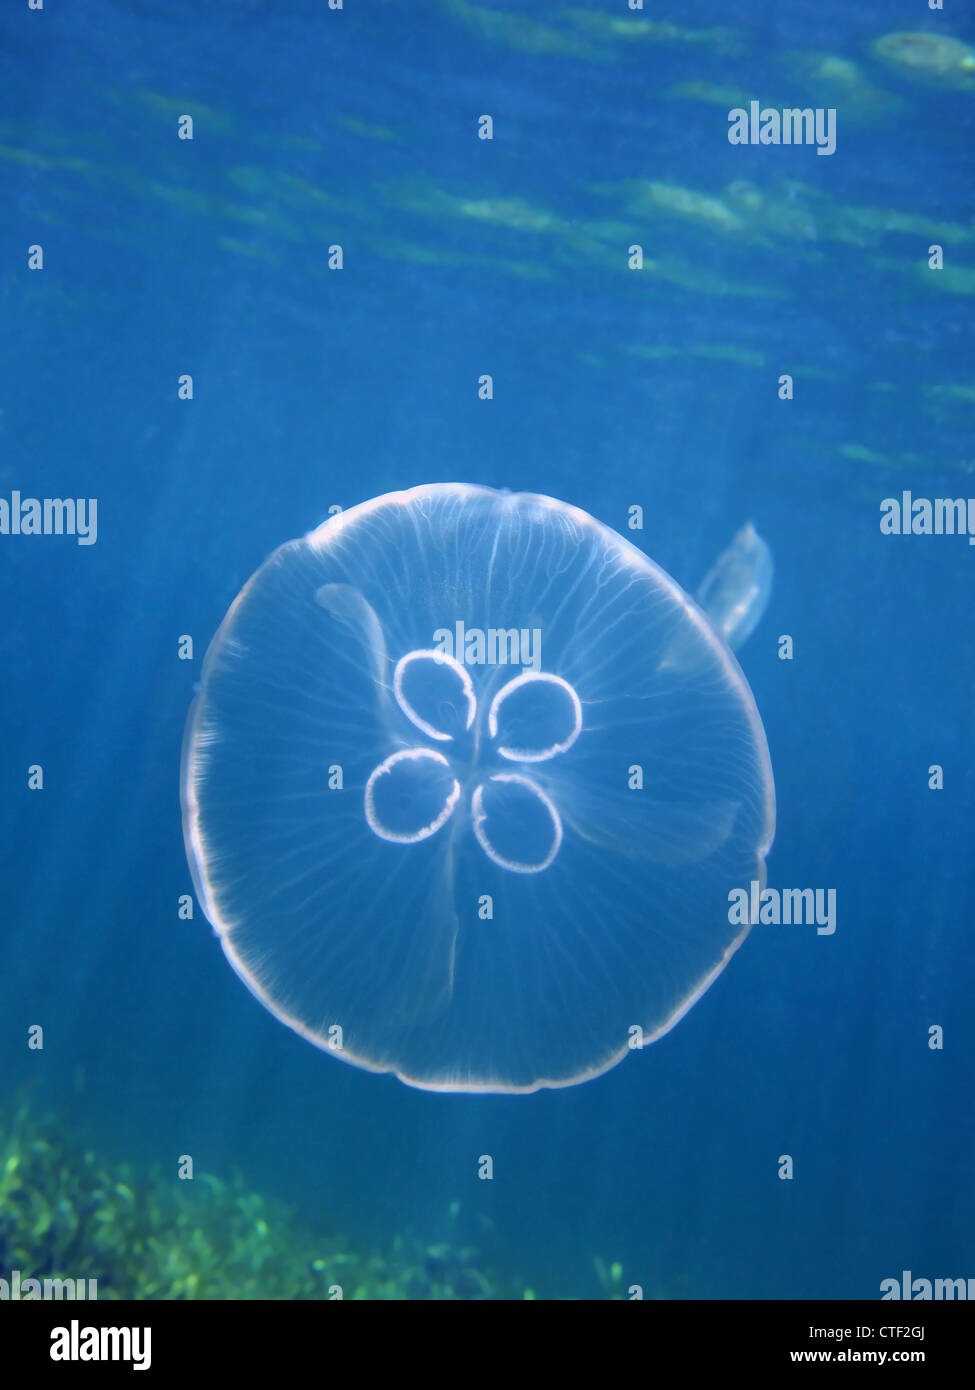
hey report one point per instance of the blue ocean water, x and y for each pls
(613, 387)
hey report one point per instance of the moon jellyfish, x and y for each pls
(736, 591)
(450, 810)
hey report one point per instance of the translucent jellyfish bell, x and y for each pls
(736, 590)
(451, 807)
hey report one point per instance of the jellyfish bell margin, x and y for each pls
(475, 874)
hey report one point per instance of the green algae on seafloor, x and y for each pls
(68, 1214)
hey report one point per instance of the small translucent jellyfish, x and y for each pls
(449, 809)
(736, 591)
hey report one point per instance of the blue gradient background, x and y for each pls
(314, 388)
